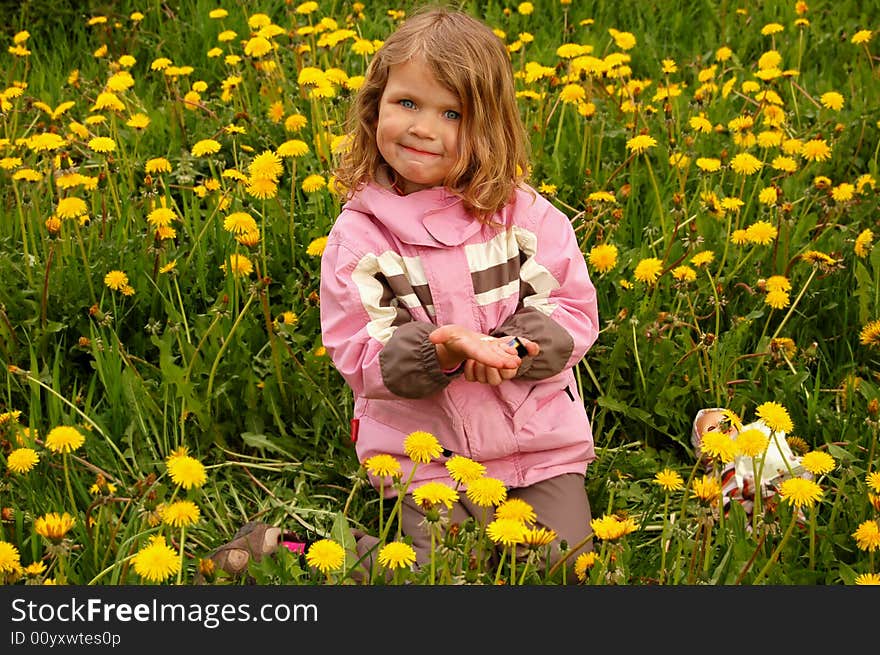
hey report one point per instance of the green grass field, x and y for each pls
(166, 180)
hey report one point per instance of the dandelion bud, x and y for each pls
(53, 225)
(7, 513)
(206, 567)
(873, 407)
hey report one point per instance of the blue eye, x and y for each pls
(408, 104)
(452, 114)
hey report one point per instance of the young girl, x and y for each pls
(440, 256)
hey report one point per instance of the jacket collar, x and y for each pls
(431, 217)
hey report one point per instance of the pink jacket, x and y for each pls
(396, 267)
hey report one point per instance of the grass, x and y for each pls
(140, 319)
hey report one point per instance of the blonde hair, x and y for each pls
(472, 62)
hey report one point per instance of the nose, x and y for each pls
(421, 126)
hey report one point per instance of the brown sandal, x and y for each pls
(253, 539)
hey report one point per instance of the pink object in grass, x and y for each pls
(294, 546)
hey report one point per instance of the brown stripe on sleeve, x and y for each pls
(402, 287)
(496, 277)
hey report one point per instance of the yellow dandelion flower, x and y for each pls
(397, 555)
(486, 491)
(867, 579)
(35, 569)
(684, 274)
(703, 258)
(701, 124)
(832, 100)
(708, 164)
(22, 460)
(313, 183)
(240, 223)
(435, 493)
(775, 416)
(752, 442)
(640, 143)
(158, 165)
(610, 527)
(745, 164)
(262, 187)
(718, 445)
(603, 257)
(464, 470)
(873, 481)
(768, 196)
(863, 243)
(205, 147)
(583, 563)
(64, 439)
(861, 37)
(816, 150)
(784, 164)
(295, 122)
(539, 537)
(238, 265)
(761, 232)
(777, 299)
(292, 148)
(601, 196)
(102, 144)
(316, 247)
(115, 280)
(383, 466)
(267, 165)
(778, 283)
(421, 447)
(507, 532)
(516, 509)
(800, 492)
(843, 192)
(186, 471)
(249, 239)
(669, 480)
(648, 270)
(818, 462)
(54, 526)
(156, 561)
(180, 514)
(71, 207)
(706, 489)
(161, 217)
(10, 559)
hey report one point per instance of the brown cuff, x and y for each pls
(556, 343)
(409, 362)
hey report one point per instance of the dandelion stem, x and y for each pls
(67, 483)
(226, 343)
(770, 563)
(794, 304)
(180, 568)
(638, 360)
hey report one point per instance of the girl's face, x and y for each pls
(417, 130)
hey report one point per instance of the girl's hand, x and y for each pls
(475, 371)
(488, 359)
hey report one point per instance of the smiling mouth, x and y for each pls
(419, 152)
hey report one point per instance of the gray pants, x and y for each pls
(560, 504)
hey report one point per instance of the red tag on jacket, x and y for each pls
(355, 424)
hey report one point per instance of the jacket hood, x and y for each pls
(431, 217)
